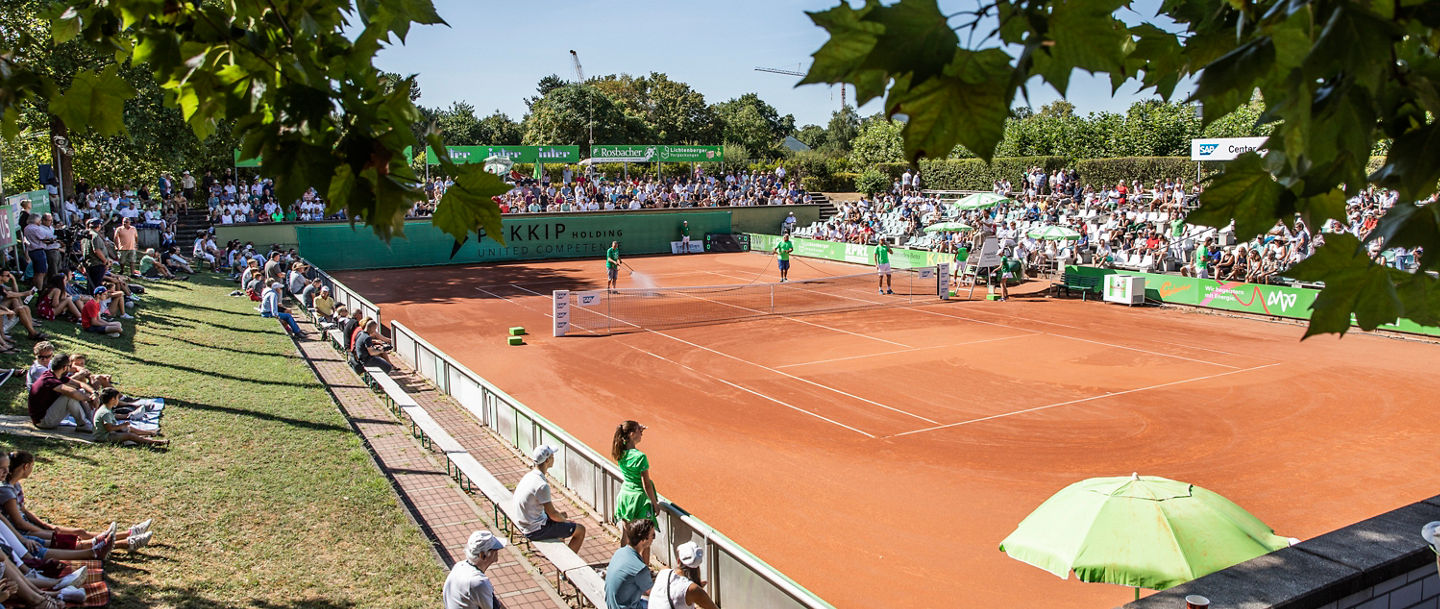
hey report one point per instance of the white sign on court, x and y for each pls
(587, 299)
(1223, 148)
(560, 312)
(988, 256)
(696, 247)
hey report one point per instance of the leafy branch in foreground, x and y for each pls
(295, 78)
(1335, 77)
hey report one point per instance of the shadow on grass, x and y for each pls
(231, 377)
(195, 597)
(215, 346)
(264, 416)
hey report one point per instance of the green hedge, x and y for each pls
(1148, 169)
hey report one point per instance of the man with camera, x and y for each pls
(371, 349)
(96, 253)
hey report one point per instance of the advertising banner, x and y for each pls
(652, 153)
(519, 154)
(538, 237)
(852, 252)
(1223, 148)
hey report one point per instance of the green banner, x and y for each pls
(583, 235)
(852, 252)
(518, 154)
(657, 153)
(1259, 299)
(255, 162)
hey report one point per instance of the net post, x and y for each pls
(560, 312)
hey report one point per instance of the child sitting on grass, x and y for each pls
(109, 429)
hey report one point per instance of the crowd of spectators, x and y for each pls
(1128, 225)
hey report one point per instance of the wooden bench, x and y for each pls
(431, 434)
(1085, 284)
(396, 397)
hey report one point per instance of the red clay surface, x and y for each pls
(878, 457)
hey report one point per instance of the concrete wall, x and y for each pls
(1380, 563)
(764, 219)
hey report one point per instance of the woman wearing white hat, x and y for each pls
(682, 588)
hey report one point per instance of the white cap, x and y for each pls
(542, 453)
(482, 541)
(1430, 532)
(690, 554)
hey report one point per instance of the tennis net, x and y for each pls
(634, 309)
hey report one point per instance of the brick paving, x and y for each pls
(446, 513)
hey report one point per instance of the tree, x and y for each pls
(458, 126)
(878, 142)
(563, 117)
(1334, 78)
(751, 122)
(292, 83)
(843, 127)
(813, 136)
(498, 130)
(548, 83)
(671, 111)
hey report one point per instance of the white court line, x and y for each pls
(1089, 399)
(968, 342)
(1169, 355)
(764, 367)
(753, 392)
(798, 321)
(1044, 321)
(740, 387)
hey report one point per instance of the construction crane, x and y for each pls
(795, 72)
(580, 79)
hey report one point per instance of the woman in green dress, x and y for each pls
(637, 495)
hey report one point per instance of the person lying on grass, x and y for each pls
(172, 260)
(151, 268)
(12, 502)
(109, 429)
(90, 320)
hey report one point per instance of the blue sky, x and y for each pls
(493, 53)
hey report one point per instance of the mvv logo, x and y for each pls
(1281, 299)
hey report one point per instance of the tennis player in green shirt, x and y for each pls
(612, 264)
(782, 256)
(882, 267)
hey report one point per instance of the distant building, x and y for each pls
(794, 144)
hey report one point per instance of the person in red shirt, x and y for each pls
(90, 315)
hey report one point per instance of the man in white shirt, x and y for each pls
(467, 587)
(539, 519)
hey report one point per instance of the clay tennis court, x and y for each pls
(879, 456)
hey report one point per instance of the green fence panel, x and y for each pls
(341, 247)
(1272, 300)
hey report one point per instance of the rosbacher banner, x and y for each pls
(518, 154)
(653, 153)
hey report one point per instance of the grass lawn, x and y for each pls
(265, 499)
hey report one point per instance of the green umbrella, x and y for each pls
(1141, 531)
(1053, 233)
(981, 200)
(949, 227)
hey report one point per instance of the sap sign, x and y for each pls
(1224, 148)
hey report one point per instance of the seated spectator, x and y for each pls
(109, 429)
(371, 350)
(296, 280)
(270, 307)
(52, 400)
(349, 321)
(323, 304)
(682, 587)
(55, 299)
(308, 293)
(175, 262)
(539, 519)
(90, 309)
(44, 352)
(12, 505)
(151, 267)
(13, 301)
(467, 587)
(627, 578)
(363, 321)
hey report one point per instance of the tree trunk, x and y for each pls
(61, 163)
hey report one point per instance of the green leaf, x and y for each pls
(1413, 165)
(66, 27)
(851, 41)
(94, 102)
(468, 205)
(1085, 35)
(342, 188)
(917, 39)
(1292, 44)
(1227, 82)
(1353, 284)
(967, 105)
(1246, 193)
(1420, 295)
(1410, 226)
(1316, 210)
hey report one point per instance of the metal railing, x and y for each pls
(736, 577)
